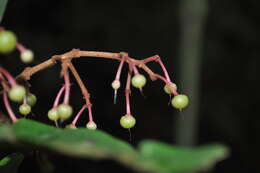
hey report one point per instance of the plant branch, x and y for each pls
(80, 83)
(76, 53)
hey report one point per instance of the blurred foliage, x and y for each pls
(11, 163)
(150, 156)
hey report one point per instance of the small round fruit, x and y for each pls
(53, 114)
(17, 93)
(31, 99)
(115, 84)
(127, 121)
(25, 109)
(70, 126)
(180, 101)
(65, 111)
(27, 56)
(8, 41)
(91, 125)
(138, 81)
(168, 90)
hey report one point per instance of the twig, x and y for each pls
(76, 53)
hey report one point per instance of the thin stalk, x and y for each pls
(67, 87)
(78, 115)
(90, 114)
(8, 76)
(127, 94)
(57, 99)
(8, 107)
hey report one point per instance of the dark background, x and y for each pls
(228, 83)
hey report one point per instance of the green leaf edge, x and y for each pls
(144, 158)
(3, 4)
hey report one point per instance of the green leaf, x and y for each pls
(151, 155)
(81, 142)
(165, 158)
(3, 4)
(10, 163)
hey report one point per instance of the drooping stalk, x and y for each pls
(127, 93)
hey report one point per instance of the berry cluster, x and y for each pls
(138, 80)
(62, 110)
(8, 42)
(16, 93)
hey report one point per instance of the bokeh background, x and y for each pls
(211, 49)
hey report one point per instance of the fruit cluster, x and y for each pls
(16, 93)
(61, 109)
(8, 42)
(179, 101)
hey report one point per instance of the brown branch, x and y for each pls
(76, 53)
(80, 83)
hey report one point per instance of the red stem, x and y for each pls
(20, 47)
(152, 58)
(78, 115)
(167, 83)
(8, 76)
(57, 99)
(24, 100)
(166, 74)
(119, 70)
(8, 107)
(158, 59)
(90, 113)
(67, 87)
(127, 93)
(132, 66)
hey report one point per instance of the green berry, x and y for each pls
(70, 126)
(25, 109)
(8, 41)
(65, 111)
(115, 84)
(127, 121)
(27, 56)
(138, 81)
(31, 99)
(91, 125)
(17, 93)
(168, 90)
(180, 101)
(53, 114)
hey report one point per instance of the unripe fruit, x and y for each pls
(8, 41)
(53, 114)
(168, 90)
(31, 99)
(180, 101)
(25, 109)
(27, 56)
(91, 125)
(115, 84)
(138, 81)
(65, 111)
(17, 93)
(70, 126)
(127, 121)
